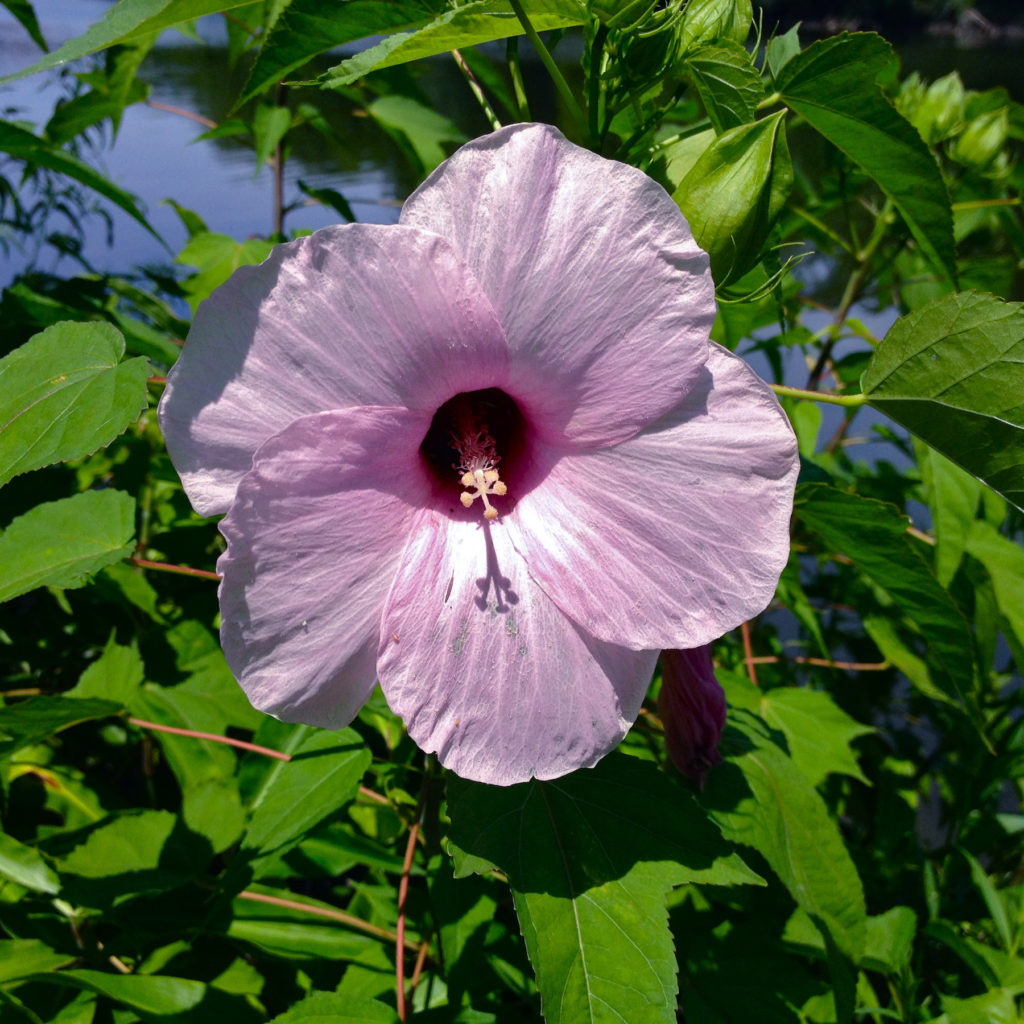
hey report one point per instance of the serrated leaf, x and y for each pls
(874, 535)
(323, 775)
(591, 858)
(469, 24)
(62, 543)
(331, 1008)
(35, 719)
(65, 393)
(23, 145)
(307, 28)
(952, 373)
(26, 866)
(124, 22)
(832, 86)
(729, 85)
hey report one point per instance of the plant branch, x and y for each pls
(181, 570)
(213, 737)
(400, 941)
(549, 63)
(476, 90)
(819, 396)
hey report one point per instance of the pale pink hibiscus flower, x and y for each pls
(486, 456)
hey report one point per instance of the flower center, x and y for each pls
(469, 436)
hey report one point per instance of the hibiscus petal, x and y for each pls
(679, 534)
(606, 299)
(352, 315)
(314, 538)
(486, 671)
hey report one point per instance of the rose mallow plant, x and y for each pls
(487, 456)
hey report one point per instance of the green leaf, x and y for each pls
(1004, 562)
(818, 732)
(952, 373)
(323, 775)
(729, 85)
(710, 21)
(832, 86)
(953, 496)
(65, 393)
(874, 535)
(37, 718)
(23, 145)
(84, 111)
(734, 192)
(125, 22)
(330, 1008)
(424, 129)
(761, 799)
(21, 957)
(26, 17)
(270, 125)
(216, 258)
(782, 49)
(62, 543)
(26, 866)
(307, 28)
(994, 1007)
(591, 858)
(469, 24)
(155, 997)
(295, 934)
(116, 675)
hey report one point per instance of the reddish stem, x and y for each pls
(195, 734)
(181, 112)
(403, 892)
(181, 570)
(331, 914)
(853, 666)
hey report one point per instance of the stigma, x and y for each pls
(484, 482)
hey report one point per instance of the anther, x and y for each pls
(483, 482)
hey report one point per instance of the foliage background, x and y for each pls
(856, 856)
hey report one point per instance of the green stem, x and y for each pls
(518, 86)
(549, 62)
(820, 396)
(474, 87)
(596, 83)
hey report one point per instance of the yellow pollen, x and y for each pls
(483, 482)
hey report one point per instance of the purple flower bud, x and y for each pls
(692, 709)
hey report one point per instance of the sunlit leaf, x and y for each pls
(591, 858)
(734, 192)
(26, 866)
(469, 24)
(62, 543)
(307, 28)
(952, 373)
(65, 393)
(832, 86)
(323, 775)
(331, 1008)
(125, 22)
